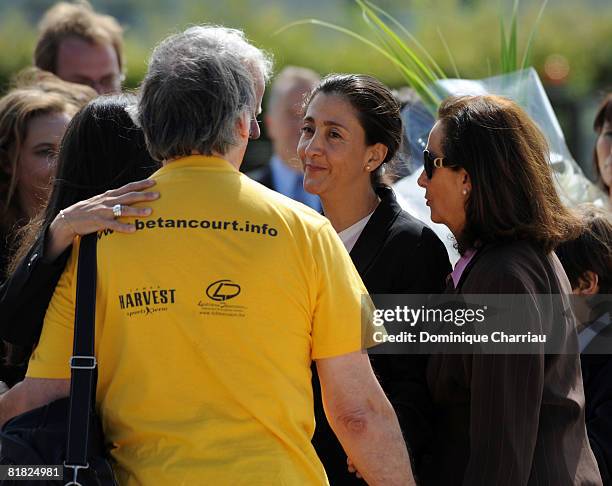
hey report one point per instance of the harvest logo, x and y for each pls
(147, 301)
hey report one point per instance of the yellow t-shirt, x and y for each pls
(207, 320)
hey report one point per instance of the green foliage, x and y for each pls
(420, 71)
(572, 32)
(469, 28)
(16, 46)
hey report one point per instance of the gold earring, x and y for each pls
(464, 192)
(368, 168)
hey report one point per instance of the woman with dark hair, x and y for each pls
(504, 419)
(101, 149)
(351, 133)
(602, 155)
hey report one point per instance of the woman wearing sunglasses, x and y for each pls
(504, 419)
(351, 132)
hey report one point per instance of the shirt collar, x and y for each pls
(206, 162)
(461, 264)
(350, 235)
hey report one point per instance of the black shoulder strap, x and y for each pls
(83, 362)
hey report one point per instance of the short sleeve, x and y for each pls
(51, 356)
(343, 305)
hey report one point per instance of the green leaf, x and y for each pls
(430, 98)
(448, 53)
(503, 47)
(378, 23)
(512, 44)
(440, 73)
(527, 53)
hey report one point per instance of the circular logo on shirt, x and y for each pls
(222, 290)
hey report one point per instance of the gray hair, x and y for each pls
(234, 40)
(289, 78)
(199, 83)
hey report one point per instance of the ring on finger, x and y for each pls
(117, 210)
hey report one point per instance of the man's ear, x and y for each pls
(588, 283)
(244, 125)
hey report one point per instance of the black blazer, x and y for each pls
(263, 175)
(395, 254)
(24, 298)
(511, 420)
(596, 362)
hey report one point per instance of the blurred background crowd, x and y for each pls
(576, 69)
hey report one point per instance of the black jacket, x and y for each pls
(596, 362)
(395, 254)
(24, 298)
(512, 419)
(263, 175)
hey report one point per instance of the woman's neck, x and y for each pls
(345, 208)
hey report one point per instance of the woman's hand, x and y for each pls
(96, 213)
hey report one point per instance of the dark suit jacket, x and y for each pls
(24, 298)
(596, 362)
(512, 420)
(263, 175)
(394, 254)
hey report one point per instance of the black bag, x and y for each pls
(67, 432)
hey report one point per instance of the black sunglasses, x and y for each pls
(430, 163)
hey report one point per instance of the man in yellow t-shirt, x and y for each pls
(208, 316)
